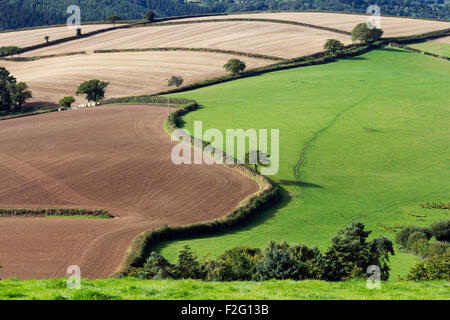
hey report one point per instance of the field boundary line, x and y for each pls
(295, 23)
(208, 50)
(267, 195)
(396, 45)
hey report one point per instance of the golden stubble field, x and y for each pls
(36, 36)
(392, 26)
(286, 41)
(128, 73)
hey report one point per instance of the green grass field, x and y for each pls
(116, 289)
(378, 177)
(442, 49)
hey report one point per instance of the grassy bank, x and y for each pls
(349, 172)
(112, 289)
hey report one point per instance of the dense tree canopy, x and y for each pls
(27, 13)
(13, 94)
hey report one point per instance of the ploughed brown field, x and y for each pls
(115, 158)
(129, 74)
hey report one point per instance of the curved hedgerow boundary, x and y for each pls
(420, 37)
(396, 45)
(231, 52)
(143, 244)
(34, 58)
(295, 23)
(20, 212)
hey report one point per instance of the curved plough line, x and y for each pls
(302, 159)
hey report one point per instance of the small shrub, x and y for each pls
(333, 46)
(441, 230)
(438, 247)
(433, 268)
(176, 81)
(188, 267)
(157, 268)
(278, 263)
(403, 235)
(66, 102)
(149, 16)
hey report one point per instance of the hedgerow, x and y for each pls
(53, 212)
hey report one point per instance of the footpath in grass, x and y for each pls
(117, 289)
(350, 173)
(442, 49)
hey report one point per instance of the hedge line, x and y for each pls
(148, 99)
(233, 52)
(420, 37)
(34, 58)
(314, 59)
(295, 23)
(53, 212)
(396, 45)
(143, 244)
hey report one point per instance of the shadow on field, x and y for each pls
(259, 219)
(297, 183)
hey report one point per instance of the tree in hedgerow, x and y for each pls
(366, 35)
(66, 102)
(256, 158)
(113, 19)
(402, 237)
(157, 267)
(234, 66)
(149, 16)
(176, 81)
(93, 89)
(333, 46)
(351, 254)
(188, 267)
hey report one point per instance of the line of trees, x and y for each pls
(28, 13)
(13, 94)
(349, 256)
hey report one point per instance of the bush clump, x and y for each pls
(349, 256)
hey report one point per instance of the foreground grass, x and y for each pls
(378, 177)
(112, 289)
(442, 49)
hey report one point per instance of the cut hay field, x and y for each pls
(378, 177)
(286, 41)
(128, 73)
(134, 289)
(27, 38)
(439, 46)
(115, 158)
(392, 26)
